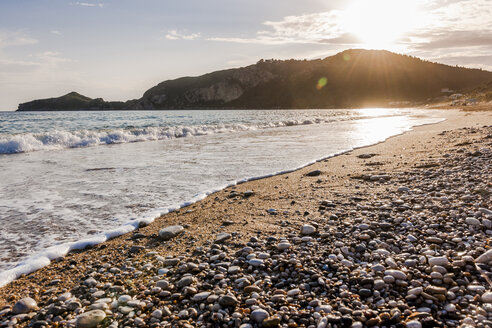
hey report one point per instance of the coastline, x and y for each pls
(294, 196)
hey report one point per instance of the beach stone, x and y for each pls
(200, 296)
(255, 262)
(485, 257)
(25, 305)
(228, 300)
(314, 173)
(487, 297)
(414, 324)
(378, 268)
(185, 281)
(485, 211)
(308, 229)
(221, 237)
(90, 282)
(403, 189)
(259, 315)
(293, 292)
(271, 322)
(125, 309)
(124, 298)
(163, 284)
(441, 261)
(90, 319)
(283, 246)
(472, 221)
(170, 232)
(234, 269)
(397, 274)
(156, 314)
(170, 262)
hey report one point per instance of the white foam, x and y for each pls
(53, 140)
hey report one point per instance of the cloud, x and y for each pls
(56, 32)
(175, 35)
(87, 4)
(10, 38)
(307, 28)
(455, 39)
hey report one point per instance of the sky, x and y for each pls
(117, 49)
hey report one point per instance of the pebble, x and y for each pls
(441, 261)
(25, 305)
(397, 274)
(283, 246)
(472, 221)
(414, 324)
(308, 229)
(487, 297)
(222, 237)
(90, 319)
(314, 173)
(259, 315)
(170, 232)
(200, 296)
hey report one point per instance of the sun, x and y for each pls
(381, 23)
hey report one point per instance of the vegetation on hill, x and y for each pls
(353, 78)
(482, 93)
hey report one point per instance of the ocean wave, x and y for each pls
(53, 140)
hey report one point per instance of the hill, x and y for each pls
(353, 78)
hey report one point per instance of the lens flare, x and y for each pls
(321, 83)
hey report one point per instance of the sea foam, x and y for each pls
(53, 140)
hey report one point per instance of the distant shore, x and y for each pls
(329, 240)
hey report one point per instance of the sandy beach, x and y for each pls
(386, 235)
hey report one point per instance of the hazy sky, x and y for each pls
(116, 49)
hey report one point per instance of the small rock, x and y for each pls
(283, 246)
(185, 281)
(487, 297)
(271, 322)
(25, 305)
(441, 261)
(90, 319)
(485, 257)
(472, 221)
(314, 173)
(397, 274)
(308, 229)
(259, 315)
(228, 300)
(170, 232)
(414, 324)
(200, 296)
(221, 237)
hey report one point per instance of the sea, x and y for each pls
(73, 179)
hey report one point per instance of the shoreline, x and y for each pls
(46, 256)
(240, 216)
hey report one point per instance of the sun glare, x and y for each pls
(380, 23)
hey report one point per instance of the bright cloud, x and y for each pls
(176, 35)
(87, 4)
